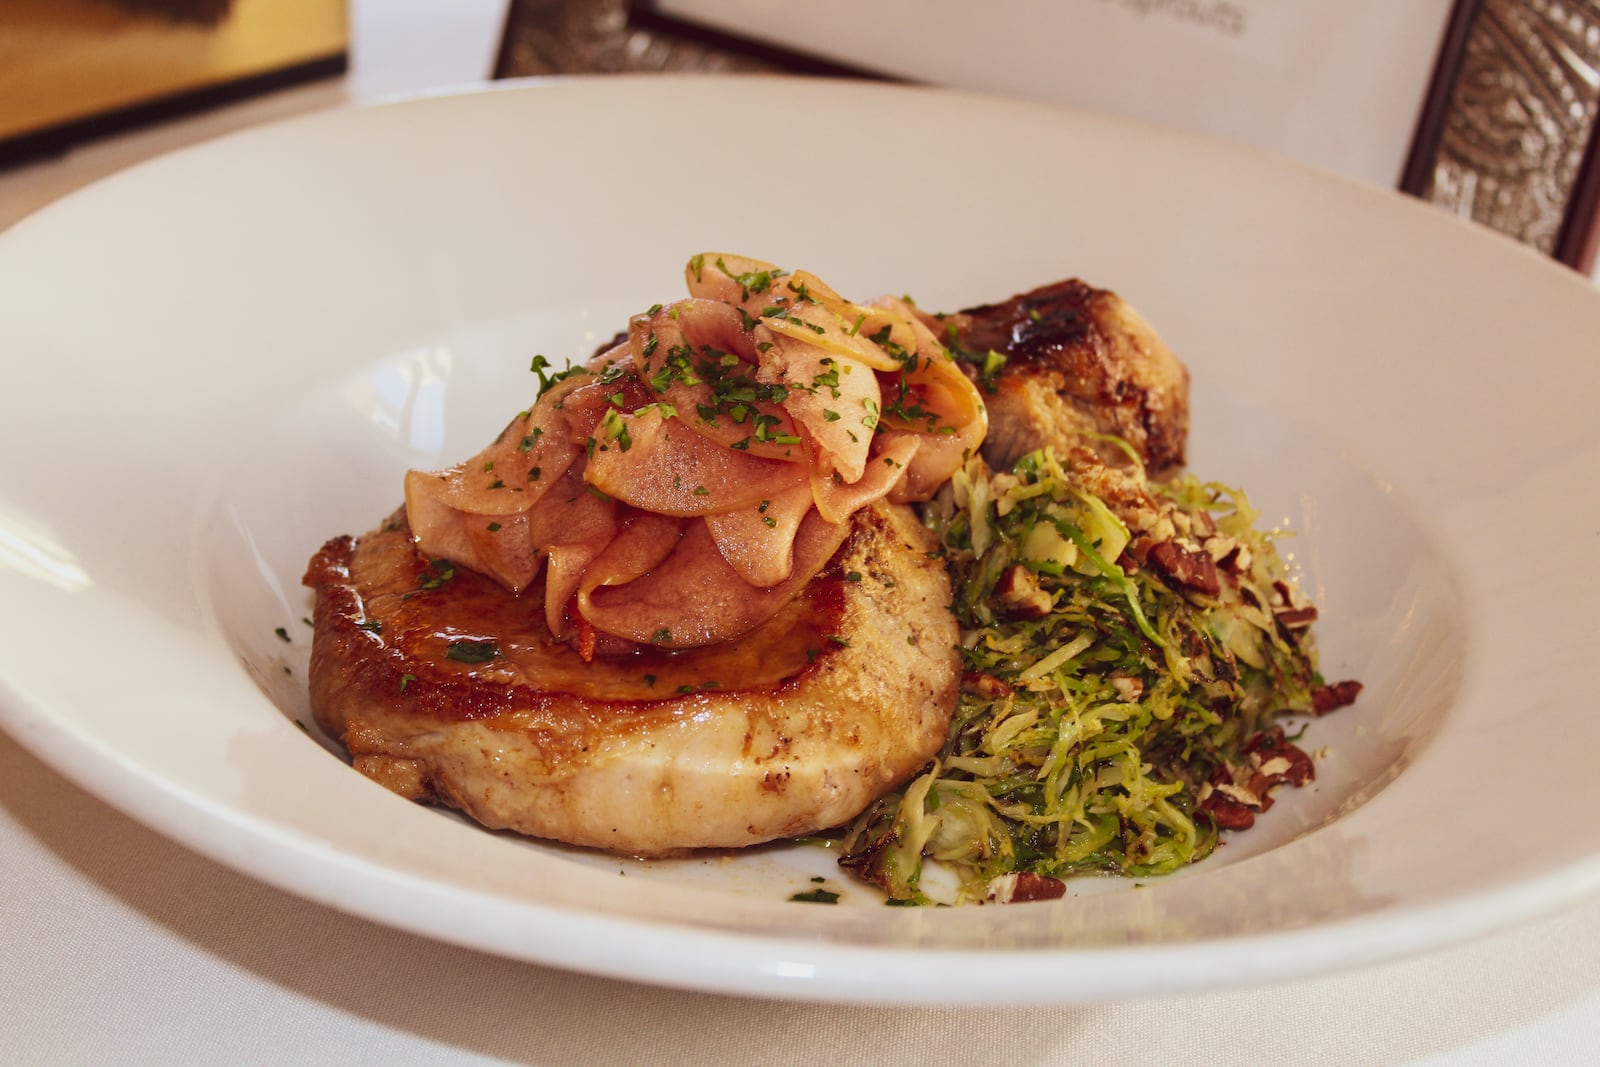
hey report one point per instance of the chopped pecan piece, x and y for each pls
(1296, 618)
(1284, 762)
(1019, 590)
(1240, 794)
(1024, 886)
(1127, 687)
(1228, 814)
(984, 685)
(1133, 556)
(1260, 787)
(1326, 698)
(1185, 567)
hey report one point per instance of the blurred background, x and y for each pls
(1483, 107)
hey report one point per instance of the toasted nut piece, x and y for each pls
(1019, 887)
(1326, 698)
(985, 685)
(1296, 618)
(1019, 590)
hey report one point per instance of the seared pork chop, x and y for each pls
(446, 687)
(1078, 361)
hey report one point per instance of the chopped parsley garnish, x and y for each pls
(436, 574)
(617, 429)
(755, 281)
(472, 651)
(541, 366)
(816, 896)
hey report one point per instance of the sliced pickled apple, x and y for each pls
(642, 541)
(519, 465)
(891, 325)
(758, 542)
(826, 328)
(836, 402)
(695, 597)
(938, 456)
(572, 526)
(496, 544)
(931, 394)
(733, 280)
(697, 357)
(836, 499)
(670, 469)
(934, 396)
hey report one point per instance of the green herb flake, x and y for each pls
(436, 574)
(816, 896)
(472, 651)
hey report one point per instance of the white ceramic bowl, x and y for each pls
(215, 361)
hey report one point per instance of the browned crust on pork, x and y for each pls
(836, 700)
(1079, 360)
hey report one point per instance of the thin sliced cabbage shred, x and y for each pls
(1085, 739)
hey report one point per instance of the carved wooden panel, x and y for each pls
(1517, 98)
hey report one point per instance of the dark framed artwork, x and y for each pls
(1484, 107)
(1506, 135)
(72, 70)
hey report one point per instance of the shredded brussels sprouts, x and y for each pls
(1101, 697)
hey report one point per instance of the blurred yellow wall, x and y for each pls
(63, 60)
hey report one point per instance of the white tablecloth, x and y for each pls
(117, 946)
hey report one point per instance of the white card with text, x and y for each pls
(1336, 83)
